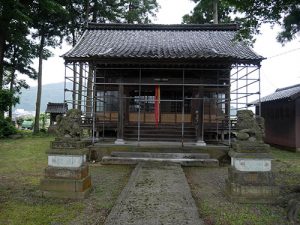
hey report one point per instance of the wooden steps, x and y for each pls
(149, 132)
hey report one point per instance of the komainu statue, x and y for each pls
(69, 126)
(249, 133)
(249, 128)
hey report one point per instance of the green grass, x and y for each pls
(16, 212)
(238, 214)
(286, 164)
(208, 186)
(288, 161)
(22, 163)
(111, 181)
(24, 159)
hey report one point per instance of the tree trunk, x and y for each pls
(39, 87)
(11, 88)
(215, 11)
(87, 11)
(2, 47)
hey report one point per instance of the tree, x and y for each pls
(78, 13)
(252, 14)
(136, 11)
(13, 14)
(18, 59)
(14, 25)
(7, 99)
(203, 12)
(48, 21)
(286, 13)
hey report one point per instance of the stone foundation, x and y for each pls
(251, 187)
(71, 173)
(67, 174)
(250, 178)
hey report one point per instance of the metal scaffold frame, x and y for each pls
(245, 87)
(243, 82)
(78, 89)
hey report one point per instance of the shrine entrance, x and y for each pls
(159, 104)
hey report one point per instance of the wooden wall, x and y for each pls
(297, 102)
(280, 123)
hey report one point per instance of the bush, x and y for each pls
(6, 128)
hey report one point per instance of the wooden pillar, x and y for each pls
(120, 131)
(200, 118)
(52, 119)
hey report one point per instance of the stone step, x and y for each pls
(165, 132)
(159, 138)
(161, 126)
(161, 155)
(108, 160)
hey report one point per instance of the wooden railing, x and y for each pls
(164, 117)
(107, 116)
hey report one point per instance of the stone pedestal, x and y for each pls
(119, 141)
(67, 174)
(200, 143)
(250, 179)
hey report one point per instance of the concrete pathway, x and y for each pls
(156, 194)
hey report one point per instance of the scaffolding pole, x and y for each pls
(245, 77)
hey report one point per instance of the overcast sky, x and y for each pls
(276, 72)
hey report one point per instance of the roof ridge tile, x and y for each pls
(166, 27)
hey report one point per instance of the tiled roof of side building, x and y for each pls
(138, 41)
(290, 92)
(56, 108)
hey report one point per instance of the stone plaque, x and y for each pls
(66, 160)
(244, 164)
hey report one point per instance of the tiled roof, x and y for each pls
(56, 108)
(290, 92)
(132, 41)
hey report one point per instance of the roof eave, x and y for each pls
(126, 60)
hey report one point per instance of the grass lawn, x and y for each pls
(22, 163)
(208, 184)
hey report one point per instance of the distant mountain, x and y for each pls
(50, 93)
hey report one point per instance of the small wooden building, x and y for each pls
(159, 82)
(55, 109)
(281, 111)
